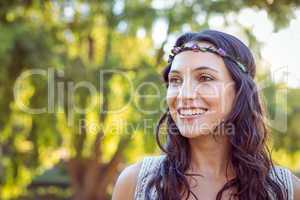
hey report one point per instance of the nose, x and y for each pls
(187, 91)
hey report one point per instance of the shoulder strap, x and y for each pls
(149, 166)
(283, 176)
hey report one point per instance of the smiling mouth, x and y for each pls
(191, 112)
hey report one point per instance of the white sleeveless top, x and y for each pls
(150, 165)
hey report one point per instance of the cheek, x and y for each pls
(210, 94)
(229, 97)
(208, 90)
(171, 99)
(225, 101)
(218, 96)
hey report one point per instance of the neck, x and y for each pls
(210, 156)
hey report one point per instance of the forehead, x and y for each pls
(189, 60)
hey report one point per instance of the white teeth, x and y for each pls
(194, 111)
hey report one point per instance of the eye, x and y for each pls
(204, 77)
(174, 80)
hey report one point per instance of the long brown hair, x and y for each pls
(250, 156)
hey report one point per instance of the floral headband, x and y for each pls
(196, 48)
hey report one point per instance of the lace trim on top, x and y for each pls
(150, 165)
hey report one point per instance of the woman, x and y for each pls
(216, 141)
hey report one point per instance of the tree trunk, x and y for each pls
(85, 183)
(90, 179)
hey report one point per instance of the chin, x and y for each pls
(194, 134)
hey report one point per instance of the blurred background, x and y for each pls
(81, 91)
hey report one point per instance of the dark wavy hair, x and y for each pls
(250, 155)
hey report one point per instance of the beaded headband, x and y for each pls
(196, 48)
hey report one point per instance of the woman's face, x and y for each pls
(200, 93)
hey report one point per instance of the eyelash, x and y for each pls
(173, 79)
(205, 76)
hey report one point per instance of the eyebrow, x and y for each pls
(196, 69)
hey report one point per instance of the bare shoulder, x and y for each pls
(126, 183)
(296, 185)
